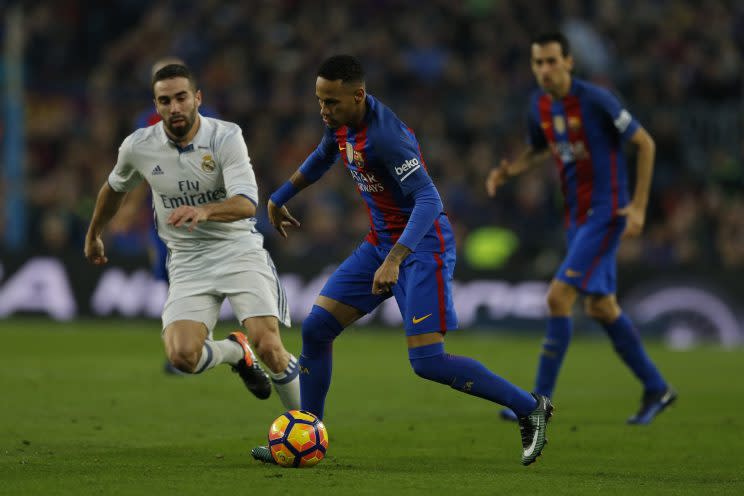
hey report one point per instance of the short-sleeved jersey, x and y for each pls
(213, 167)
(385, 161)
(585, 131)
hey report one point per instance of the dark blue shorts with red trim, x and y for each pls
(590, 264)
(423, 291)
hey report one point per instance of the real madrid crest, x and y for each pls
(559, 124)
(349, 152)
(208, 164)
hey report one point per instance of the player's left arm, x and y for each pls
(635, 211)
(404, 162)
(629, 129)
(240, 186)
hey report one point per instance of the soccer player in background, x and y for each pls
(409, 253)
(584, 127)
(205, 198)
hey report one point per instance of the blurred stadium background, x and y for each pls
(76, 74)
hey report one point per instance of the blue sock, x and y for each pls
(627, 343)
(557, 339)
(469, 376)
(319, 330)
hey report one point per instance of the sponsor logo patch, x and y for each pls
(407, 168)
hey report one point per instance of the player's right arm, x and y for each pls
(107, 204)
(509, 168)
(536, 152)
(315, 165)
(123, 178)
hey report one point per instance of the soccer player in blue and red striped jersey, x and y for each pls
(409, 253)
(584, 128)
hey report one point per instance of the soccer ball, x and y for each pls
(298, 439)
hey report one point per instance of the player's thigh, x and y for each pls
(350, 284)
(425, 293)
(590, 264)
(181, 306)
(254, 290)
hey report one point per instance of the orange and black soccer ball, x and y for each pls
(298, 439)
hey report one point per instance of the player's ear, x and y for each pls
(197, 98)
(570, 63)
(359, 94)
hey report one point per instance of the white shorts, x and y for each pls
(200, 280)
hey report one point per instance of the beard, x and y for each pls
(184, 124)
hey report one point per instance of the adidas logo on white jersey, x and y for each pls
(157, 171)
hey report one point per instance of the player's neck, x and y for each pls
(358, 120)
(564, 90)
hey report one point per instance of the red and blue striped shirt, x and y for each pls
(384, 159)
(585, 131)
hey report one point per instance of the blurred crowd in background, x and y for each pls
(456, 71)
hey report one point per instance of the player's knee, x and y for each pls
(605, 310)
(429, 362)
(561, 298)
(557, 303)
(430, 368)
(320, 326)
(184, 360)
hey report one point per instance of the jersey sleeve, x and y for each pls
(609, 105)
(322, 158)
(535, 135)
(401, 156)
(125, 176)
(237, 170)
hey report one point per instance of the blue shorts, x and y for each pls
(590, 265)
(423, 291)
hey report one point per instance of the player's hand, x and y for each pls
(636, 218)
(187, 215)
(386, 277)
(496, 178)
(280, 218)
(94, 250)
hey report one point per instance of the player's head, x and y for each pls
(163, 61)
(177, 99)
(340, 91)
(552, 62)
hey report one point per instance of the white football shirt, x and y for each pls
(213, 167)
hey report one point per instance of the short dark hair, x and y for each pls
(347, 68)
(556, 37)
(173, 71)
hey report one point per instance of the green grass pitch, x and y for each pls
(87, 410)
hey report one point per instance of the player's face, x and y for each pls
(340, 104)
(177, 104)
(552, 70)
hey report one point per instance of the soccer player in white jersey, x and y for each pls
(204, 199)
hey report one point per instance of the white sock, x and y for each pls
(217, 352)
(287, 384)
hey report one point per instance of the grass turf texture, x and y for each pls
(87, 410)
